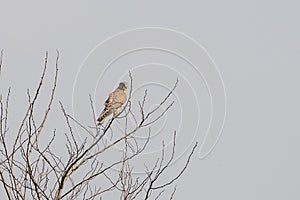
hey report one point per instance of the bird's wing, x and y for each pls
(115, 100)
(109, 100)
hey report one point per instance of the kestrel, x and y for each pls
(113, 105)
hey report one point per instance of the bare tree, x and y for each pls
(29, 170)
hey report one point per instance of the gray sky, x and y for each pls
(255, 45)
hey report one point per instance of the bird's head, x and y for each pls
(123, 85)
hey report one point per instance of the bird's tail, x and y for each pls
(104, 114)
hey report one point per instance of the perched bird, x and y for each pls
(113, 105)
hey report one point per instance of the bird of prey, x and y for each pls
(113, 104)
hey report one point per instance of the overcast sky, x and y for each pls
(255, 45)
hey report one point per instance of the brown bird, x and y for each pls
(114, 102)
